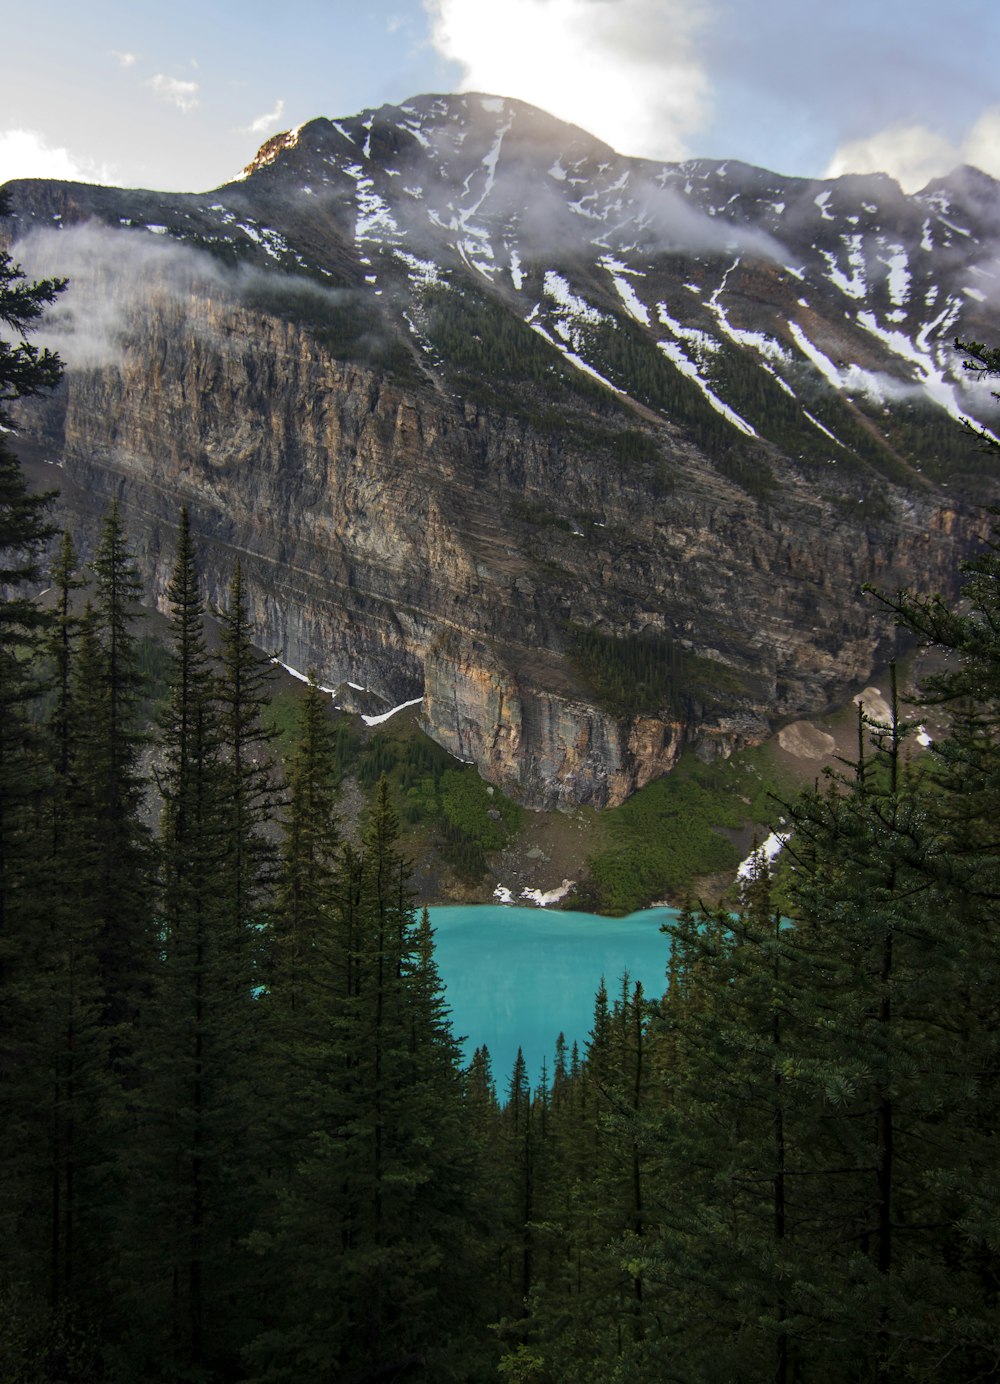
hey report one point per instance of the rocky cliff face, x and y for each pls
(457, 383)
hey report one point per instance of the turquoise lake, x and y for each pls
(520, 976)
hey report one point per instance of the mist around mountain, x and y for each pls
(540, 213)
(582, 451)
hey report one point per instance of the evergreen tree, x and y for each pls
(24, 530)
(243, 687)
(84, 1109)
(519, 1142)
(310, 856)
(592, 1201)
(378, 1186)
(25, 370)
(191, 1169)
(114, 864)
(876, 925)
(814, 1153)
(53, 1063)
(61, 647)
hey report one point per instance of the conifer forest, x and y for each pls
(238, 1142)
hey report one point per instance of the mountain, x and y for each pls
(590, 453)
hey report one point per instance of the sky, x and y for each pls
(179, 96)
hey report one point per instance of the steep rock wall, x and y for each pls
(401, 538)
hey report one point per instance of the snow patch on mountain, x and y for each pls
(878, 387)
(387, 715)
(763, 855)
(898, 278)
(576, 312)
(633, 304)
(823, 363)
(941, 325)
(375, 220)
(930, 375)
(822, 427)
(782, 384)
(703, 342)
(421, 271)
(414, 128)
(766, 345)
(688, 368)
(489, 166)
(574, 359)
(857, 285)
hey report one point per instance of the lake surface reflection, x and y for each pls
(520, 976)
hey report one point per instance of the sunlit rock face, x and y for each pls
(460, 385)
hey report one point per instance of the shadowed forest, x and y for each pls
(237, 1141)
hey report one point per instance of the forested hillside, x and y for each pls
(237, 1143)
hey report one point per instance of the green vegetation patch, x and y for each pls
(650, 675)
(496, 353)
(436, 797)
(479, 809)
(631, 361)
(631, 675)
(670, 833)
(941, 447)
(467, 817)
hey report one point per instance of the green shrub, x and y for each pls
(485, 816)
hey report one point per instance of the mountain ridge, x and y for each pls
(460, 382)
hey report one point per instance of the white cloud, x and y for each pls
(981, 146)
(267, 122)
(181, 94)
(125, 59)
(625, 70)
(913, 154)
(28, 154)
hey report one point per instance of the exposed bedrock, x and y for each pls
(397, 537)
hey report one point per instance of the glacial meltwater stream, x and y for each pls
(520, 976)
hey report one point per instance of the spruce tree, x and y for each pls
(25, 371)
(593, 1199)
(246, 734)
(53, 1068)
(24, 530)
(24, 782)
(114, 864)
(85, 1106)
(374, 1193)
(192, 1171)
(310, 855)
